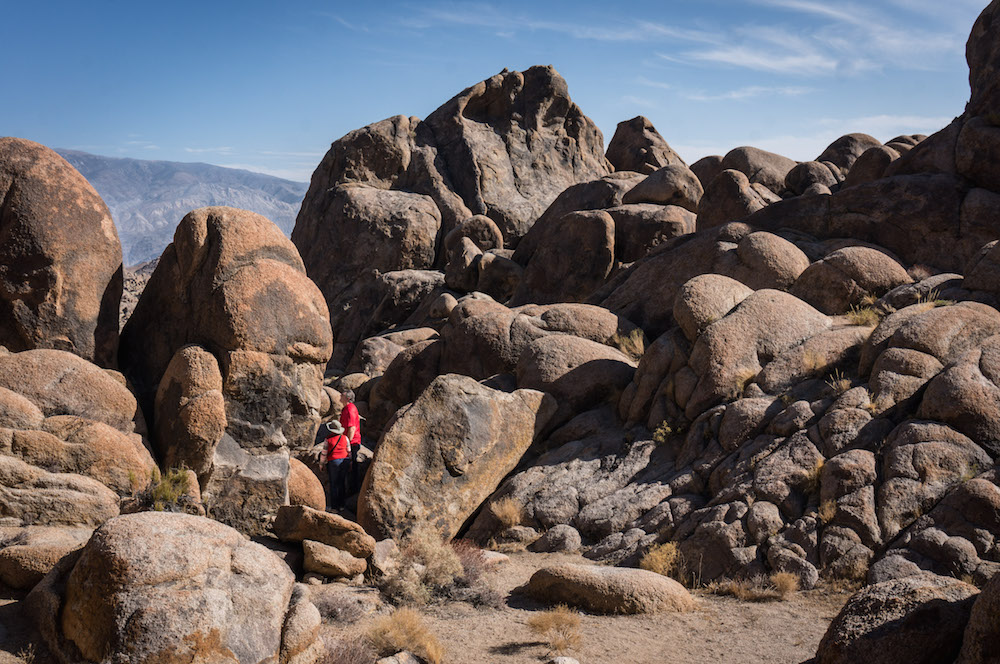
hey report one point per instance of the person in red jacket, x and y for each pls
(337, 456)
(351, 421)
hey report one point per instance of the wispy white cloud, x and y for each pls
(767, 61)
(633, 100)
(342, 21)
(748, 92)
(219, 150)
(642, 80)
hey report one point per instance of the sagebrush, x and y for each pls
(430, 568)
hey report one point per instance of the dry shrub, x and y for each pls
(404, 629)
(164, 493)
(663, 559)
(560, 627)
(786, 583)
(430, 568)
(346, 651)
(508, 512)
(632, 343)
(753, 589)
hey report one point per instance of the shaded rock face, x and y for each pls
(385, 196)
(154, 587)
(446, 453)
(61, 275)
(888, 622)
(226, 349)
(637, 146)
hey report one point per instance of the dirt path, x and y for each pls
(722, 631)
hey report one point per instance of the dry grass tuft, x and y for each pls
(631, 343)
(827, 510)
(754, 589)
(838, 382)
(786, 583)
(812, 480)
(560, 627)
(508, 512)
(404, 629)
(663, 559)
(864, 316)
(346, 651)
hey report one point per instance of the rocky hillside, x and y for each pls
(148, 198)
(738, 370)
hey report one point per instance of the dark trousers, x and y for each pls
(338, 471)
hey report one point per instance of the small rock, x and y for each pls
(614, 590)
(560, 538)
(331, 561)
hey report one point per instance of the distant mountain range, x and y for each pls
(149, 198)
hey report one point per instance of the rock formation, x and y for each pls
(155, 587)
(62, 261)
(226, 350)
(386, 195)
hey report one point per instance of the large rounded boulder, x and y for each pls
(158, 587)
(62, 261)
(227, 348)
(446, 453)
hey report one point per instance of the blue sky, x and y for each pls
(268, 86)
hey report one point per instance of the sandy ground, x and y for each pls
(722, 630)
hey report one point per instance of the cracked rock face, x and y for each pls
(226, 349)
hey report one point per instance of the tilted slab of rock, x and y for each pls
(155, 587)
(62, 276)
(230, 313)
(608, 589)
(446, 453)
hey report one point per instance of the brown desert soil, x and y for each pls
(722, 630)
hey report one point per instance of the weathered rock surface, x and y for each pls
(445, 454)
(396, 186)
(62, 261)
(637, 146)
(330, 561)
(155, 587)
(295, 523)
(608, 589)
(887, 622)
(981, 643)
(235, 286)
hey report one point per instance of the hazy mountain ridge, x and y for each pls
(147, 199)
